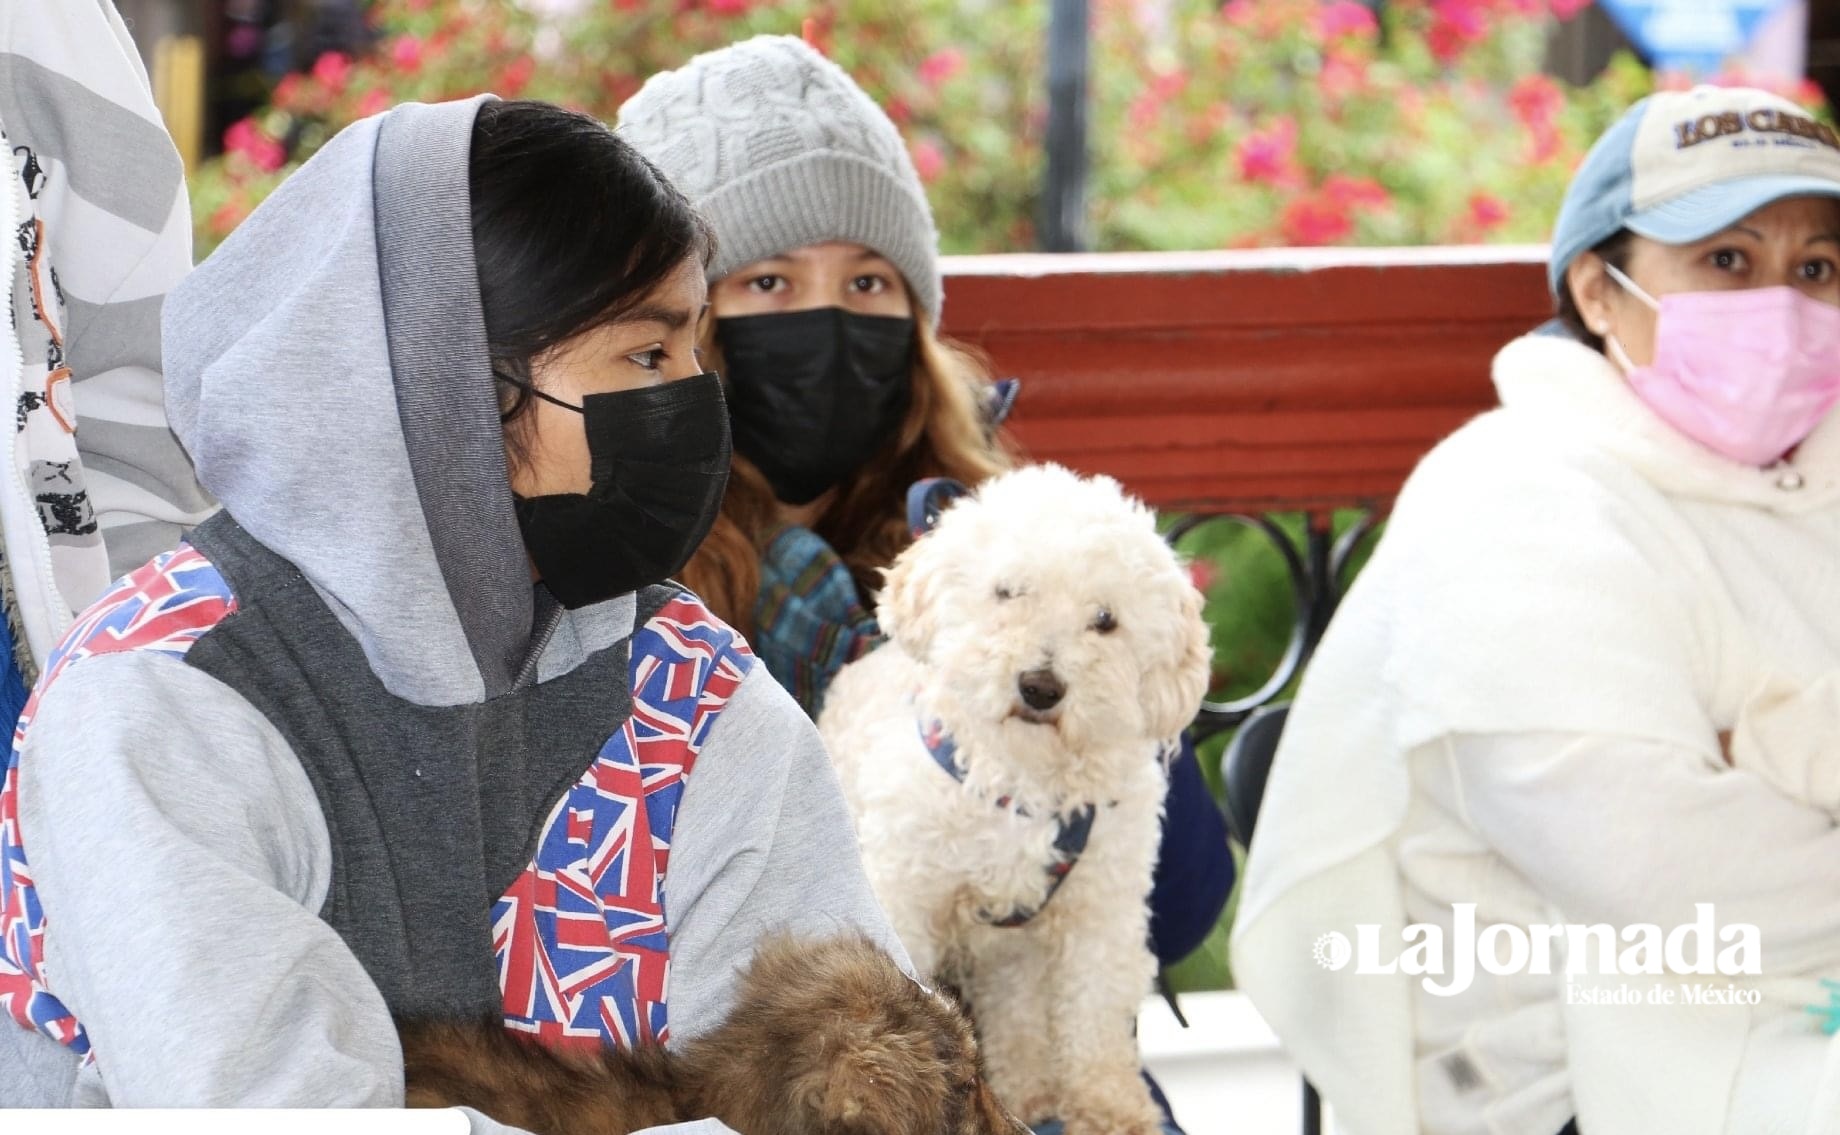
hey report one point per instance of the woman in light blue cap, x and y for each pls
(1555, 808)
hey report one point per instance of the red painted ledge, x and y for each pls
(1247, 381)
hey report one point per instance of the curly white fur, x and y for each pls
(1013, 581)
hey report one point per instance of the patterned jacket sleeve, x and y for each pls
(810, 620)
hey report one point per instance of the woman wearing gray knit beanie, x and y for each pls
(826, 294)
(825, 290)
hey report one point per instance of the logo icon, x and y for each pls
(1332, 950)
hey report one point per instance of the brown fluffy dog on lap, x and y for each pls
(826, 1038)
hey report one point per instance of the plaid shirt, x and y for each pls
(809, 620)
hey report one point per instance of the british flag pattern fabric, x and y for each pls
(165, 607)
(581, 942)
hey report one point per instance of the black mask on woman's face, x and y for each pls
(814, 394)
(658, 463)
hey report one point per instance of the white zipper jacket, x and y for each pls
(92, 481)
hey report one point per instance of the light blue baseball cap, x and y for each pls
(1680, 166)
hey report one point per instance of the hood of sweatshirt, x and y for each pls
(326, 368)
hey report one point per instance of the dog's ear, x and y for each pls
(912, 593)
(868, 1089)
(866, 1077)
(1174, 685)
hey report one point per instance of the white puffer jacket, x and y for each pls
(1520, 705)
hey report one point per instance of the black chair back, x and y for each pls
(1246, 765)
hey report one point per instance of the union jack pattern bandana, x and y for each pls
(583, 957)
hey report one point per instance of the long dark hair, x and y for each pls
(572, 228)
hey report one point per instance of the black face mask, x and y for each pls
(813, 394)
(658, 463)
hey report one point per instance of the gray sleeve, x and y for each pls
(39, 1072)
(181, 858)
(763, 842)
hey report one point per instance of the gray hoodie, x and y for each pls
(337, 758)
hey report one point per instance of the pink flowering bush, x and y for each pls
(1253, 123)
(1282, 122)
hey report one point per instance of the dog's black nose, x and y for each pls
(1041, 689)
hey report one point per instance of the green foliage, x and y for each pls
(1253, 123)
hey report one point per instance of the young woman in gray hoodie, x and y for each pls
(416, 725)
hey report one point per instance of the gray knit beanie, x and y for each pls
(779, 148)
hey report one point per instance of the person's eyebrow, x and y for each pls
(765, 264)
(672, 318)
(1746, 230)
(1829, 238)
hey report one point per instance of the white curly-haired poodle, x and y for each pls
(1004, 757)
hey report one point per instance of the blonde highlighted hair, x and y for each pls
(946, 433)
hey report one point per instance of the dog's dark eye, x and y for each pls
(1103, 622)
(1004, 592)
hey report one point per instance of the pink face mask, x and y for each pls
(1747, 374)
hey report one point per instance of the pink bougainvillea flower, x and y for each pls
(238, 137)
(1144, 111)
(1269, 156)
(1168, 84)
(1536, 100)
(514, 76)
(332, 69)
(1315, 219)
(1544, 144)
(1239, 12)
(406, 54)
(1487, 211)
(1342, 76)
(1455, 26)
(816, 31)
(1445, 44)
(1468, 18)
(929, 162)
(226, 217)
(287, 92)
(1341, 18)
(244, 137)
(1356, 192)
(730, 7)
(374, 101)
(938, 69)
(1202, 574)
(1566, 9)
